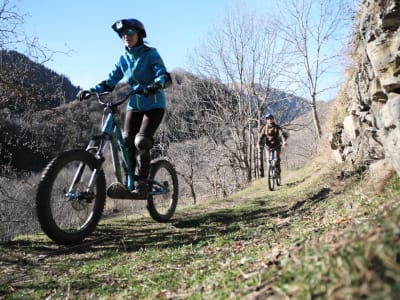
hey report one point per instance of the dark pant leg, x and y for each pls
(145, 125)
(133, 121)
(278, 158)
(151, 121)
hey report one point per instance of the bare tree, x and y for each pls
(12, 35)
(10, 21)
(197, 137)
(312, 27)
(244, 54)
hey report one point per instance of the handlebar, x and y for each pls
(149, 90)
(111, 104)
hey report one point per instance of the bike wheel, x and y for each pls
(271, 178)
(69, 212)
(163, 197)
(278, 177)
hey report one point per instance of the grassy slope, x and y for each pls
(316, 237)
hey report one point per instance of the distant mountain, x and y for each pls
(285, 106)
(26, 85)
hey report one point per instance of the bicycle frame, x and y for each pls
(273, 172)
(111, 136)
(272, 158)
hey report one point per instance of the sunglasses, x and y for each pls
(128, 32)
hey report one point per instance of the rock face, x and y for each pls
(369, 132)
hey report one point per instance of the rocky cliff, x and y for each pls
(368, 107)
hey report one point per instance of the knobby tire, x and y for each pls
(278, 178)
(271, 178)
(68, 221)
(162, 207)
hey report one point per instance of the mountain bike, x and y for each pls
(274, 172)
(71, 194)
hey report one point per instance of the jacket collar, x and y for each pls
(135, 50)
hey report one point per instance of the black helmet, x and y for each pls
(269, 116)
(120, 25)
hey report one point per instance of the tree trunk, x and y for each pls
(317, 125)
(261, 161)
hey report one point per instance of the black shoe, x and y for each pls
(141, 191)
(117, 190)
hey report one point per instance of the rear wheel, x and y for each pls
(68, 211)
(163, 197)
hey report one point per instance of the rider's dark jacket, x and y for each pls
(272, 134)
(139, 66)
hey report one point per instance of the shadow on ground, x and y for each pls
(190, 227)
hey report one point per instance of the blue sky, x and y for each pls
(174, 27)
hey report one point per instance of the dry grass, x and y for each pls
(316, 237)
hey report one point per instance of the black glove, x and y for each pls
(83, 94)
(151, 89)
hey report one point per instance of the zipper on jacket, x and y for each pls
(134, 78)
(137, 102)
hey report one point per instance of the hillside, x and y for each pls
(284, 105)
(317, 237)
(28, 85)
(302, 143)
(39, 116)
(26, 88)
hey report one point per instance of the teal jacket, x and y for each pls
(139, 66)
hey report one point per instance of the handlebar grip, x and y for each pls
(83, 95)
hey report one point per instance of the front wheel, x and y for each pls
(271, 177)
(163, 183)
(278, 177)
(67, 208)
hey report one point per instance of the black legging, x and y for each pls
(145, 124)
